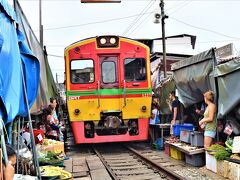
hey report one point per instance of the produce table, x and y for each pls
(185, 148)
(156, 127)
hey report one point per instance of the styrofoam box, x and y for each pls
(234, 171)
(211, 162)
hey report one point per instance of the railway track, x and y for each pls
(125, 162)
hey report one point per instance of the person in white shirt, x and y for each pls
(154, 119)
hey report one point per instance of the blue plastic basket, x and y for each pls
(177, 128)
(158, 144)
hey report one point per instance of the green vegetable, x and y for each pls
(216, 147)
(229, 143)
(222, 155)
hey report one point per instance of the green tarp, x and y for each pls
(163, 94)
(194, 76)
(228, 78)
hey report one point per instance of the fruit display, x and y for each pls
(54, 171)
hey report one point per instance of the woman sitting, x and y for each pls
(52, 125)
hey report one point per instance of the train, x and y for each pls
(108, 89)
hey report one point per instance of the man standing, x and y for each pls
(174, 105)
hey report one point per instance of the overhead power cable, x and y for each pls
(204, 29)
(96, 22)
(144, 10)
(185, 3)
(139, 24)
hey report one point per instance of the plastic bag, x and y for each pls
(228, 129)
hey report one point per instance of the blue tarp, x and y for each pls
(15, 56)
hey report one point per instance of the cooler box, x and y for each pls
(178, 127)
(211, 162)
(176, 154)
(185, 135)
(197, 160)
(197, 139)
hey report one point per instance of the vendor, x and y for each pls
(52, 125)
(209, 122)
(154, 119)
(173, 105)
(9, 169)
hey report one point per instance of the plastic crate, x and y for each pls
(167, 149)
(176, 154)
(185, 135)
(196, 160)
(178, 127)
(197, 139)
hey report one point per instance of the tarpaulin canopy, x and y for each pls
(194, 76)
(228, 86)
(47, 86)
(16, 61)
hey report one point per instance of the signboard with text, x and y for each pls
(100, 1)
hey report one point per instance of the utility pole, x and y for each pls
(40, 24)
(56, 78)
(163, 16)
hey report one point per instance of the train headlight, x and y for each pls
(103, 40)
(77, 112)
(144, 108)
(113, 40)
(107, 41)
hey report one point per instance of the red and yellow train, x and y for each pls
(108, 88)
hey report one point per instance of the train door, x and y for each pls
(109, 72)
(109, 83)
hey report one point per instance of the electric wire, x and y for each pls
(95, 22)
(204, 29)
(147, 17)
(137, 18)
(185, 3)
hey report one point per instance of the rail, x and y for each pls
(112, 174)
(159, 167)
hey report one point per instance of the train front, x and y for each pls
(108, 89)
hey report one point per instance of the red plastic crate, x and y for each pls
(167, 149)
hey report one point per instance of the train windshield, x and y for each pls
(135, 69)
(82, 71)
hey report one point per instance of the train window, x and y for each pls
(135, 69)
(108, 72)
(82, 71)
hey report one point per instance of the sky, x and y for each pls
(215, 23)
